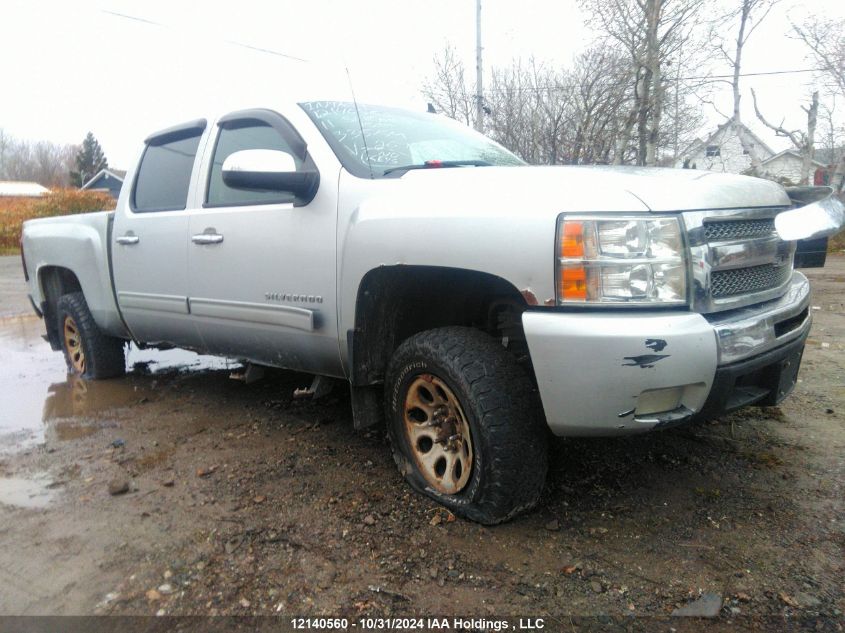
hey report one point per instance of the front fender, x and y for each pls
(496, 221)
(519, 252)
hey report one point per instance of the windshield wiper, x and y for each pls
(435, 164)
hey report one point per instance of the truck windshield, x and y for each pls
(394, 139)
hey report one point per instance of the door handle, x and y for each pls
(207, 238)
(128, 239)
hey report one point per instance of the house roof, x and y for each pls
(791, 152)
(21, 189)
(117, 174)
(698, 144)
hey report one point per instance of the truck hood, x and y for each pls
(583, 188)
(501, 220)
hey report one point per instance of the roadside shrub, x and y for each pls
(14, 211)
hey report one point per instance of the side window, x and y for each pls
(165, 173)
(237, 136)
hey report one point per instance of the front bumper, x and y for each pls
(614, 373)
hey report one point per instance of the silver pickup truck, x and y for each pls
(474, 304)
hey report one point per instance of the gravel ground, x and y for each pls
(242, 500)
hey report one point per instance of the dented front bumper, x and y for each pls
(614, 373)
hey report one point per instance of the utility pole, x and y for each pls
(479, 88)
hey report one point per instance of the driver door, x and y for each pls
(261, 266)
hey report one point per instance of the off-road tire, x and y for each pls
(501, 406)
(104, 355)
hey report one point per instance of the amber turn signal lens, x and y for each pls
(572, 240)
(573, 283)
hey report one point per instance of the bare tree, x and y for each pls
(684, 97)
(511, 119)
(748, 15)
(831, 133)
(650, 32)
(52, 163)
(5, 148)
(531, 110)
(825, 39)
(583, 114)
(602, 105)
(43, 162)
(803, 141)
(447, 88)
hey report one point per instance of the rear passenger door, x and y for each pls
(150, 239)
(261, 264)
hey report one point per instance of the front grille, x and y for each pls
(727, 283)
(737, 257)
(721, 231)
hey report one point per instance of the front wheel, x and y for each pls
(464, 424)
(89, 352)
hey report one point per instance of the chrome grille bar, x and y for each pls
(739, 281)
(718, 231)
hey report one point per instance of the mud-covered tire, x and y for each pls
(509, 437)
(103, 356)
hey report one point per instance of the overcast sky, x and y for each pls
(70, 67)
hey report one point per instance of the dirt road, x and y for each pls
(244, 501)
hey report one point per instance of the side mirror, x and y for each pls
(823, 217)
(269, 170)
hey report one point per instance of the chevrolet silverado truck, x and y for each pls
(475, 305)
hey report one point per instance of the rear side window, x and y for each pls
(238, 136)
(165, 173)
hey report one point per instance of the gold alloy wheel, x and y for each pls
(438, 434)
(73, 345)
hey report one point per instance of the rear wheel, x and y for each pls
(464, 424)
(89, 352)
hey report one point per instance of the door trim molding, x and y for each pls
(157, 303)
(286, 316)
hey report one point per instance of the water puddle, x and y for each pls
(27, 370)
(32, 492)
(75, 397)
(37, 394)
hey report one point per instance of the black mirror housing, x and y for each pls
(302, 184)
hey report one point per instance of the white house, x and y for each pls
(723, 150)
(786, 167)
(21, 189)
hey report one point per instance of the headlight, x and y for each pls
(621, 260)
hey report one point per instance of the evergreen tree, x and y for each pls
(90, 159)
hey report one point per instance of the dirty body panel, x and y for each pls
(609, 374)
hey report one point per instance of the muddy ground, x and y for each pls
(244, 501)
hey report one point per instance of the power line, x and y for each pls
(770, 72)
(132, 17)
(269, 51)
(258, 49)
(702, 77)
